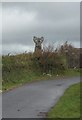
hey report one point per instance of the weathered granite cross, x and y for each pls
(38, 43)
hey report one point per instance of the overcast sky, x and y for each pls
(56, 22)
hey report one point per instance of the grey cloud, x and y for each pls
(54, 21)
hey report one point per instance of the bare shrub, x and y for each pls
(48, 61)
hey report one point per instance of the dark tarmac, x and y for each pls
(34, 100)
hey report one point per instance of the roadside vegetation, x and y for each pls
(68, 105)
(48, 64)
(0, 72)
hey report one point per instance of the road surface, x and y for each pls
(0, 105)
(35, 99)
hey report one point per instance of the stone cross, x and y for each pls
(38, 43)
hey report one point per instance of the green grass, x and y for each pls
(72, 72)
(18, 77)
(69, 104)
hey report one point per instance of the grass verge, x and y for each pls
(69, 104)
(16, 78)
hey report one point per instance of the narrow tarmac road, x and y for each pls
(35, 99)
